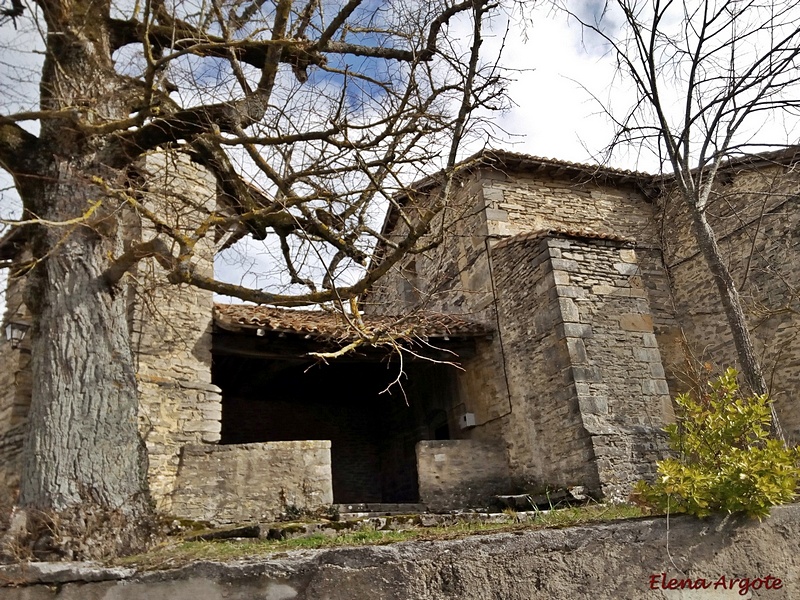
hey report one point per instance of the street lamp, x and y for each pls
(15, 333)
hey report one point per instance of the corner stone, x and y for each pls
(634, 322)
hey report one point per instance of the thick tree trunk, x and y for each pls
(83, 454)
(84, 463)
(734, 312)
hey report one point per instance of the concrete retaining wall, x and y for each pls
(623, 560)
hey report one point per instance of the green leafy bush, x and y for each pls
(726, 461)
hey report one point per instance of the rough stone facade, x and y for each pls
(585, 363)
(602, 307)
(756, 216)
(460, 473)
(571, 387)
(252, 482)
(593, 308)
(171, 329)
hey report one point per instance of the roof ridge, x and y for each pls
(580, 234)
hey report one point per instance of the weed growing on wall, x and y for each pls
(725, 460)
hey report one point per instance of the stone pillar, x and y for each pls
(172, 328)
(588, 388)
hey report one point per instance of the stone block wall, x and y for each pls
(519, 300)
(616, 365)
(523, 202)
(547, 443)
(588, 388)
(755, 214)
(455, 277)
(15, 393)
(252, 482)
(460, 474)
(171, 327)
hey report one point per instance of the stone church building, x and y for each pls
(572, 298)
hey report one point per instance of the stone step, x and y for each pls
(360, 510)
(382, 522)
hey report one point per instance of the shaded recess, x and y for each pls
(273, 391)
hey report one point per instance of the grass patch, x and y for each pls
(176, 553)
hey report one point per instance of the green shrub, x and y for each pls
(726, 461)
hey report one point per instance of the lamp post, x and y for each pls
(15, 333)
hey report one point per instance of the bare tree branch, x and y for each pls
(730, 61)
(17, 147)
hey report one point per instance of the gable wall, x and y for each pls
(500, 384)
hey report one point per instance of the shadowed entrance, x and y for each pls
(373, 435)
(272, 390)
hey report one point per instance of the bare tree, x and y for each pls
(707, 75)
(307, 114)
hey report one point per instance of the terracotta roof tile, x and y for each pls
(327, 325)
(527, 161)
(581, 234)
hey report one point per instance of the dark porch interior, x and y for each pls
(373, 435)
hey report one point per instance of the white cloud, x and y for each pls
(555, 75)
(554, 115)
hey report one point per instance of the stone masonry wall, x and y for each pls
(584, 367)
(455, 277)
(517, 203)
(458, 276)
(460, 474)
(15, 393)
(620, 383)
(547, 443)
(520, 202)
(172, 329)
(755, 214)
(252, 482)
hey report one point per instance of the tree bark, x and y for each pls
(734, 311)
(84, 464)
(83, 453)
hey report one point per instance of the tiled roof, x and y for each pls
(332, 326)
(581, 234)
(513, 161)
(528, 161)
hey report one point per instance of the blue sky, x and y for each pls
(555, 71)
